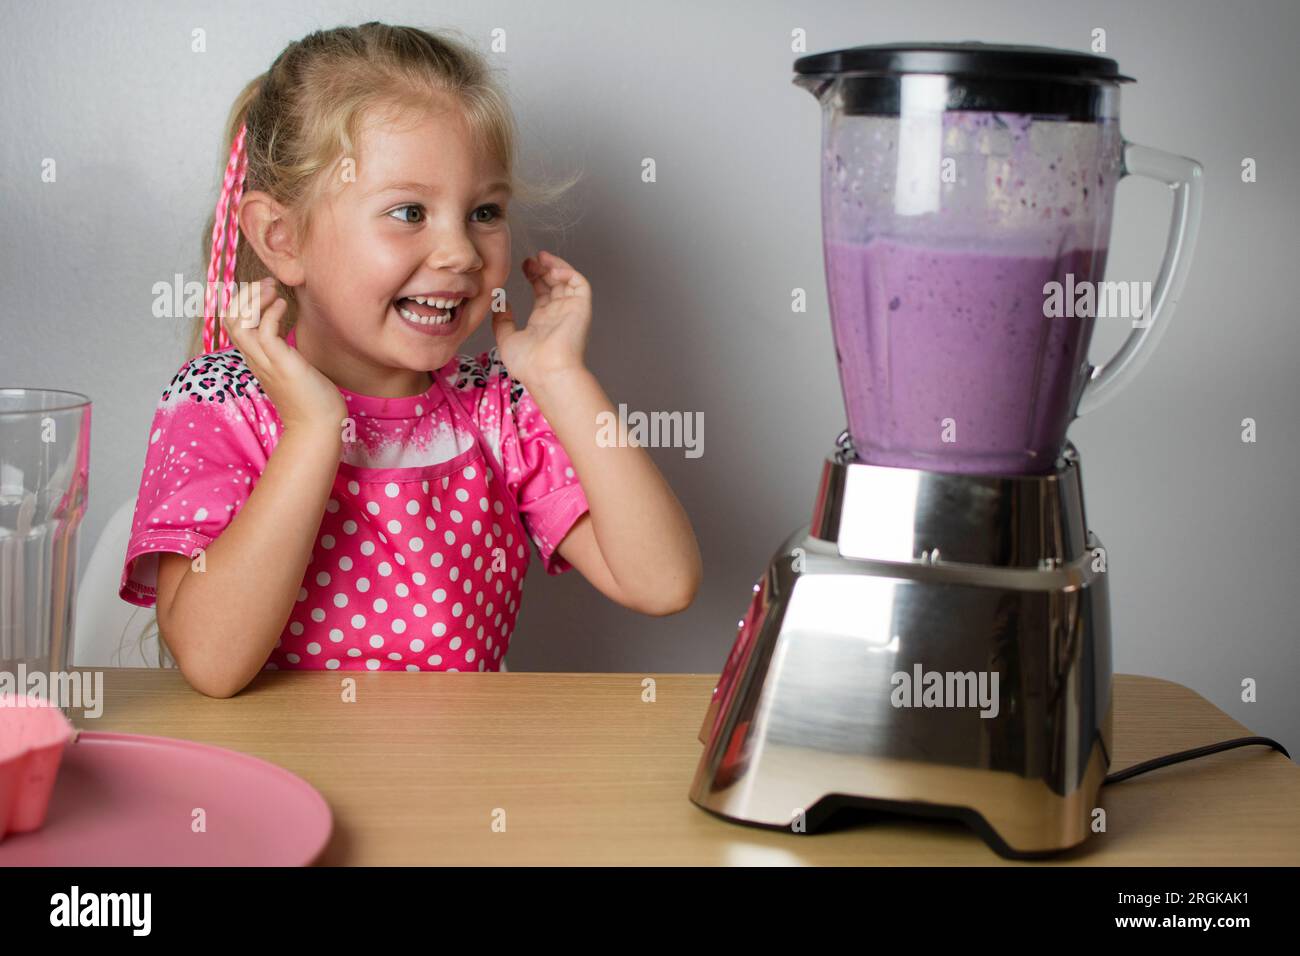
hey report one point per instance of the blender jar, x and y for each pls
(967, 194)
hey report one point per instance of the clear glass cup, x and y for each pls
(44, 480)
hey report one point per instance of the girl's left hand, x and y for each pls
(555, 338)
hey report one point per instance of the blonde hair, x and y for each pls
(304, 114)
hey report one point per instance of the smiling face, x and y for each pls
(425, 218)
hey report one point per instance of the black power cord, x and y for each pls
(1170, 759)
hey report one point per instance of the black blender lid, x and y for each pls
(970, 58)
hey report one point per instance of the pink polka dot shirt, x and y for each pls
(420, 559)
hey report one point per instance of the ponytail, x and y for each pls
(227, 233)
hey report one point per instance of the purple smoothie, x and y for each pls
(925, 333)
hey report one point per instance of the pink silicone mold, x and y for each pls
(33, 733)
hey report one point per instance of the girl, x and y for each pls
(357, 495)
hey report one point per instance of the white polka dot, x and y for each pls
(456, 609)
(439, 629)
(419, 610)
(385, 569)
(415, 544)
(399, 626)
(363, 585)
(477, 527)
(354, 488)
(155, 436)
(454, 573)
(391, 489)
(454, 643)
(462, 494)
(332, 664)
(345, 563)
(327, 541)
(496, 506)
(469, 656)
(439, 596)
(295, 628)
(418, 578)
(372, 664)
(394, 526)
(380, 605)
(302, 592)
(340, 600)
(331, 506)
(323, 578)
(436, 560)
(425, 486)
(367, 548)
(200, 514)
(483, 504)
(449, 537)
(456, 516)
(336, 635)
(376, 640)
(382, 538)
(435, 660)
(412, 667)
(412, 507)
(318, 614)
(350, 527)
(292, 658)
(354, 652)
(469, 621)
(313, 648)
(417, 645)
(402, 590)
(372, 507)
(464, 552)
(469, 472)
(437, 505)
(358, 621)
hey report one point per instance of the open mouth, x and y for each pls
(429, 313)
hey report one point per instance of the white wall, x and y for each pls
(692, 278)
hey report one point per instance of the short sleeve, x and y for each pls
(210, 439)
(538, 471)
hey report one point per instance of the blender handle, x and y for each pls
(1184, 177)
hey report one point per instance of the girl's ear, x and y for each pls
(271, 230)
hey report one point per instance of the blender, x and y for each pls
(936, 641)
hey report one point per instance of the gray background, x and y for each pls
(692, 277)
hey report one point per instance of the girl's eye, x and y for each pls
(493, 208)
(409, 206)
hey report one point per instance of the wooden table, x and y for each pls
(586, 771)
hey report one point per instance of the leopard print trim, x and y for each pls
(216, 377)
(471, 372)
(221, 377)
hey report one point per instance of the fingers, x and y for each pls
(244, 316)
(552, 276)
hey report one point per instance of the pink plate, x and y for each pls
(132, 800)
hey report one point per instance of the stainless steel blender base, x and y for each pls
(905, 574)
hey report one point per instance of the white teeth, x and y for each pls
(436, 303)
(443, 319)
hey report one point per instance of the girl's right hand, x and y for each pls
(302, 395)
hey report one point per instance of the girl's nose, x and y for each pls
(453, 250)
